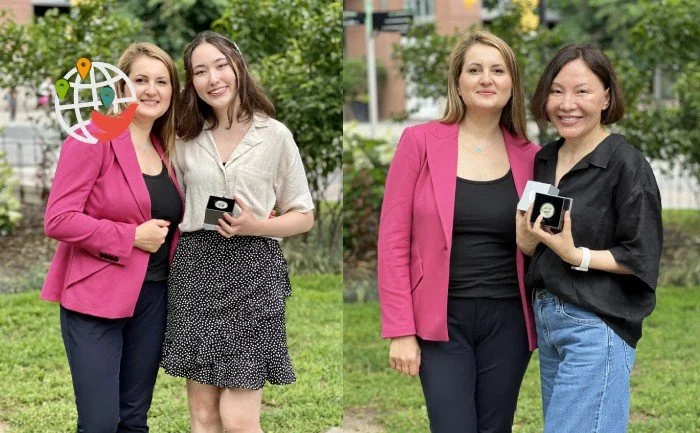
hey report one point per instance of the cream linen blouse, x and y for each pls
(264, 169)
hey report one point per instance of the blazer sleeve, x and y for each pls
(76, 173)
(394, 243)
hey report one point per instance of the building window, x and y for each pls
(420, 8)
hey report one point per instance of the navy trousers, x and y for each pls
(114, 363)
(471, 382)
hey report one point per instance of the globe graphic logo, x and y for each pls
(112, 75)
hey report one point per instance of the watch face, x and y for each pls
(547, 210)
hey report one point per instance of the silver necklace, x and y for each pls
(477, 148)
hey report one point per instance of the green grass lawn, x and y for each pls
(665, 379)
(36, 393)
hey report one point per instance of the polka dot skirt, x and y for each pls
(226, 321)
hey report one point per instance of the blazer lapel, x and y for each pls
(126, 155)
(519, 165)
(441, 149)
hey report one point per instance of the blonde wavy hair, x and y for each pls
(513, 114)
(164, 126)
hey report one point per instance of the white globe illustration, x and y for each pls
(72, 99)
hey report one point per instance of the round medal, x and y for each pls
(547, 210)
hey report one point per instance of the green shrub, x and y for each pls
(311, 255)
(364, 173)
(355, 79)
(31, 278)
(9, 205)
(680, 262)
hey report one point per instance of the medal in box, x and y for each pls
(532, 188)
(216, 207)
(552, 209)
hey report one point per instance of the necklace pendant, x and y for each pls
(478, 149)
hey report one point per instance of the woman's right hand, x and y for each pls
(404, 355)
(526, 241)
(151, 235)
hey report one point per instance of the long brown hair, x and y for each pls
(164, 126)
(513, 114)
(194, 112)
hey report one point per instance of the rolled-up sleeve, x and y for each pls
(292, 188)
(639, 236)
(394, 243)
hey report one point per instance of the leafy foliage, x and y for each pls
(425, 59)
(9, 205)
(50, 45)
(639, 36)
(355, 79)
(172, 24)
(295, 47)
(364, 174)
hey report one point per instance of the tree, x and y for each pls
(295, 47)
(172, 24)
(51, 45)
(641, 37)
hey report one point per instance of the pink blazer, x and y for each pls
(98, 198)
(415, 230)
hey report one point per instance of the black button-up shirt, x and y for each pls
(616, 207)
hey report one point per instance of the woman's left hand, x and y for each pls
(246, 224)
(561, 243)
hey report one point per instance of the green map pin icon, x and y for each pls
(107, 96)
(62, 88)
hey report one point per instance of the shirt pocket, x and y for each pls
(254, 187)
(586, 227)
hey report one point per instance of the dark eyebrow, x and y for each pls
(554, 83)
(146, 76)
(215, 61)
(497, 65)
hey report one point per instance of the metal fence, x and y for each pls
(23, 147)
(678, 189)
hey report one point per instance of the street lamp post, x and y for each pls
(371, 68)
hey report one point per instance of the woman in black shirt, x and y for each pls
(594, 282)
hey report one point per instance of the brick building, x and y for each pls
(448, 15)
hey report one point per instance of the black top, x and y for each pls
(166, 204)
(482, 261)
(616, 207)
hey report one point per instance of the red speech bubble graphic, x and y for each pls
(112, 126)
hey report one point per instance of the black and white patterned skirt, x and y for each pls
(226, 320)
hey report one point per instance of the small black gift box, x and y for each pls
(216, 207)
(552, 208)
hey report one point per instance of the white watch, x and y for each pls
(585, 261)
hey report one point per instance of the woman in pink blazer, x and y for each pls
(451, 286)
(114, 209)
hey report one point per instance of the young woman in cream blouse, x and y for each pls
(227, 289)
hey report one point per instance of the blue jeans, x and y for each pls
(585, 369)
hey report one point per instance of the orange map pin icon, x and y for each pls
(83, 64)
